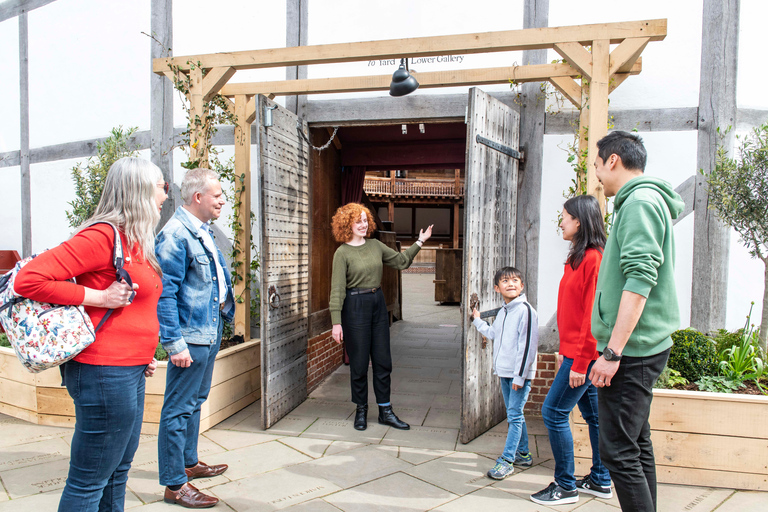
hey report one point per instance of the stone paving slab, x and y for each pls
(745, 501)
(423, 437)
(342, 430)
(445, 418)
(416, 456)
(317, 505)
(30, 454)
(489, 499)
(459, 473)
(273, 491)
(354, 467)
(398, 492)
(260, 458)
(233, 439)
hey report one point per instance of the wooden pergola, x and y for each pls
(590, 71)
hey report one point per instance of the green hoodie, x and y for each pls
(640, 257)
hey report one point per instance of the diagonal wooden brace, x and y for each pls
(568, 88)
(624, 56)
(215, 80)
(577, 56)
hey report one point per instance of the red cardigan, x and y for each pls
(574, 311)
(129, 337)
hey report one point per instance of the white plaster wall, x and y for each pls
(90, 69)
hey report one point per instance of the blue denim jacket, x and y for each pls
(188, 309)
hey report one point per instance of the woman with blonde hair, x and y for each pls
(107, 379)
(358, 310)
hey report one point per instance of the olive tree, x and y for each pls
(738, 193)
(89, 179)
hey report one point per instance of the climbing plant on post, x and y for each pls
(738, 193)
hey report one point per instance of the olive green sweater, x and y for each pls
(640, 257)
(361, 267)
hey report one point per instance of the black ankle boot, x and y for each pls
(361, 420)
(387, 417)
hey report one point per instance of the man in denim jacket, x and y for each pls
(197, 297)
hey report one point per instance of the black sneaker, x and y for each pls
(588, 485)
(555, 495)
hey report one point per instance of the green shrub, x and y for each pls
(160, 353)
(693, 355)
(724, 338)
(4, 341)
(669, 379)
(719, 384)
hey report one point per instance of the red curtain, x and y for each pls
(352, 180)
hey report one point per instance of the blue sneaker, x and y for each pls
(523, 459)
(501, 470)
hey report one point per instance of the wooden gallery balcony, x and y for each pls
(414, 190)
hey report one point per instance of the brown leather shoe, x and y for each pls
(203, 470)
(188, 496)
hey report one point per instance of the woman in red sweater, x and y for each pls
(106, 380)
(582, 225)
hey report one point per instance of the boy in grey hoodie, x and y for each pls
(515, 335)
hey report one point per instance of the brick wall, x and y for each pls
(545, 374)
(323, 356)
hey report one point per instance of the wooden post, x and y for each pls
(391, 210)
(26, 186)
(598, 113)
(243, 238)
(717, 109)
(296, 34)
(196, 118)
(535, 15)
(161, 104)
(455, 226)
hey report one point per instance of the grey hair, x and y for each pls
(128, 202)
(196, 180)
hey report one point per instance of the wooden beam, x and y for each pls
(530, 174)
(717, 111)
(616, 80)
(625, 55)
(598, 113)
(215, 80)
(161, 103)
(296, 34)
(462, 44)
(427, 80)
(568, 87)
(26, 179)
(250, 110)
(12, 8)
(243, 239)
(196, 133)
(687, 191)
(577, 56)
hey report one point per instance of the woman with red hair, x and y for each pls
(358, 310)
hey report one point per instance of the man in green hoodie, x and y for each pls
(634, 313)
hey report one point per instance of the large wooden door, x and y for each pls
(490, 205)
(284, 167)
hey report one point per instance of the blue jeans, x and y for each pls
(560, 401)
(517, 433)
(109, 406)
(185, 391)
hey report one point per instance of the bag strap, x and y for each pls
(527, 339)
(120, 273)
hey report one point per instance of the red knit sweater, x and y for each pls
(129, 337)
(574, 311)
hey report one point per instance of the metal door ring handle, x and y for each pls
(274, 297)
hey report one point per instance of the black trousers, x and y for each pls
(365, 324)
(625, 434)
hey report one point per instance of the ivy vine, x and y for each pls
(216, 112)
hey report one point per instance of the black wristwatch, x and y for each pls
(610, 355)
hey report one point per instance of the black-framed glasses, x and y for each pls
(165, 186)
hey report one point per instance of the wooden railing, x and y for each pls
(413, 187)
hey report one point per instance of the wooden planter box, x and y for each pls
(40, 398)
(703, 439)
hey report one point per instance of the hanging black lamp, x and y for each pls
(402, 81)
